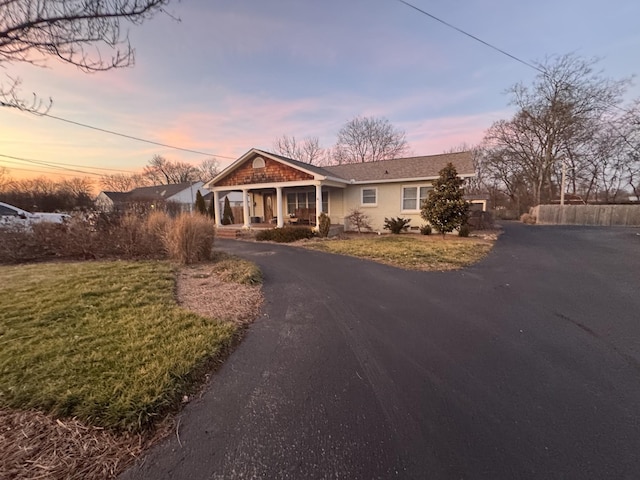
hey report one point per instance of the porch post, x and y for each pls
(318, 204)
(279, 208)
(245, 208)
(216, 208)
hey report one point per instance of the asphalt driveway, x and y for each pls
(525, 366)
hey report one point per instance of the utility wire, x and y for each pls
(497, 49)
(513, 57)
(45, 164)
(56, 164)
(131, 137)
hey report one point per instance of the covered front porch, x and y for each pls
(278, 191)
(268, 207)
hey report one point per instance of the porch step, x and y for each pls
(234, 233)
(228, 233)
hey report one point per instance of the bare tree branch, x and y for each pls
(369, 139)
(73, 31)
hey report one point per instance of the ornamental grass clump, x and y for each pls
(189, 239)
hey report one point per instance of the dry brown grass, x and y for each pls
(409, 251)
(35, 445)
(189, 239)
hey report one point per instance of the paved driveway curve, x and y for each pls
(525, 366)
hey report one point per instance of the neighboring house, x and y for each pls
(110, 201)
(181, 195)
(281, 190)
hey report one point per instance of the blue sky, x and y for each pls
(236, 74)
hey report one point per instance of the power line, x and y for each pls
(50, 162)
(131, 137)
(513, 57)
(43, 171)
(497, 49)
(46, 164)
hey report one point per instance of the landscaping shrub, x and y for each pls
(359, 220)
(464, 230)
(425, 229)
(189, 239)
(445, 208)
(284, 235)
(157, 224)
(396, 225)
(528, 218)
(324, 225)
(227, 213)
(124, 236)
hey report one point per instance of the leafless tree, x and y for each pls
(5, 179)
(73, 31)
(45, 194)
(208, 169)
(161, 171)
(477, 184)
(558, 117)
(122, 182)
(369, 139)
(308, 150)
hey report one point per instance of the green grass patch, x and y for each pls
(101, 341)
(415, 252)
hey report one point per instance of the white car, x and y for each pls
(14, 216)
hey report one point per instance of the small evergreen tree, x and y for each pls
(445, 208)
(200, 205)
(227, 215)
(325, 225)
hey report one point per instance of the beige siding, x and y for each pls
(389, 203)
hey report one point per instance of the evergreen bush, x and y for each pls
(200, 205)
(464, 230)
(396, 225)
(285, 234)
(227, 215)
(445, 208)
(425, 229)
(324, 225)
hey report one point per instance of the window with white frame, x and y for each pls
(369, 197)
(306, 200)
(412, 197)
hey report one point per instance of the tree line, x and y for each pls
(574, 119)
(44, 194)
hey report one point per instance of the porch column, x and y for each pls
(279, 208)
(318, 204)
(245, 209)
(216, 208)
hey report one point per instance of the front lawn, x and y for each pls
(104, 342)
(414, 252)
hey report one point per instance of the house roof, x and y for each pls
(427, 166)
(116, 197)
(398, 169)
(158, 192)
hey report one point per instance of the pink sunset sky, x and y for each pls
(237, 74)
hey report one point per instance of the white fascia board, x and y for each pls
(405, 180)
(262, 186)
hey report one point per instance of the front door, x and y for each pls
(268, 207)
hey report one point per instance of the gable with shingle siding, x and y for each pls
(272, 172)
